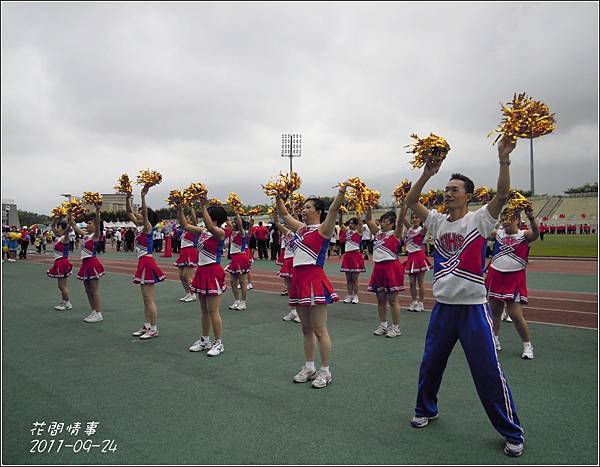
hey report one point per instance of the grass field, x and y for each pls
(585, 246)
(162, 404)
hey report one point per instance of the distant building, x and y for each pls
(112, 202)
(10, 215)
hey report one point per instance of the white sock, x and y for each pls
(384, 324)
(528, 343)
(310, 365)
(325, 369)
(205, 338)
(147, 325)
(154, 328)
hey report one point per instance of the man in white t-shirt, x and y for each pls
(118, 238)
(461, 311)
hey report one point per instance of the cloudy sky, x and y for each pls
(202, 92)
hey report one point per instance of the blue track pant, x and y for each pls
(472, 326)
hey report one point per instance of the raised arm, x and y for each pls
(132, 216)
(343, 228)
(505, 147)
(193, 217)
(370, 222)
(283, 230)
(97, 232)
(73, 225)
(412, 197)
(185, 224)
(400, 222)
(290, 222)
(532, 234)
(240, 224)
(216, 230)
(328, 226)
(145, 223)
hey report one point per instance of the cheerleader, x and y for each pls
(209, 280)
(240, 264)
(91, 269)
(310, 290)
(387, 278)
(506, 279)
(62, 267)
(416, 264)
(188, 258)
(286, 263)
(352, 260)
(148, 273)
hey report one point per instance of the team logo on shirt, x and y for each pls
(451, 241)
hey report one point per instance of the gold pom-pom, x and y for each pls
(442, 209)
(359, 197)
(343, 209)
(482, 194)
(149, 178)
(214, 202)
(234, 202)
(194, 192)
(516, 203)
(124, 185)
(75, 207)
(432, 198)
(284, 186)
(297, 202)
(176, 198)
(402, 190)
(92, 198)
(524, 118)
(254, 211)
(431, 150)
(62, 210)
(271, 210)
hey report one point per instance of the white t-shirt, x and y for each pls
(366, 234)
(118, 236)
(459, 257)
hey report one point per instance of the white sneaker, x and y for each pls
(506, 317)
(68, 306)
(322, 379)
(355, 299)
(412, 306)
(513, 450)
(200, 345)
(296, 317)
(290, 316)
(250, 286)
(420, 422)
(497, 343)
(190, 298)
(348, 299)
(184, 298)
(527, 352)
(63, 306)
(140, 332)
(420, 306)
(149, 334)
(393, 331)
(381, 330)
(241, 306)
(304, 375)
(93, 318)
(235, 306)
(216, 349)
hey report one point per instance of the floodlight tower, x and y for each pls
(291, 146)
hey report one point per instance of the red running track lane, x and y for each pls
(579, 309)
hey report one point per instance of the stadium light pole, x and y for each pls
(291, 146)
(531, 183)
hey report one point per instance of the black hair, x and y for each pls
(63, 224)
(319, 206)
(245, 224)
(391, 216)
(469, 186)
(353, 220)
(152, 217)
(260, 223)
(217, 214)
